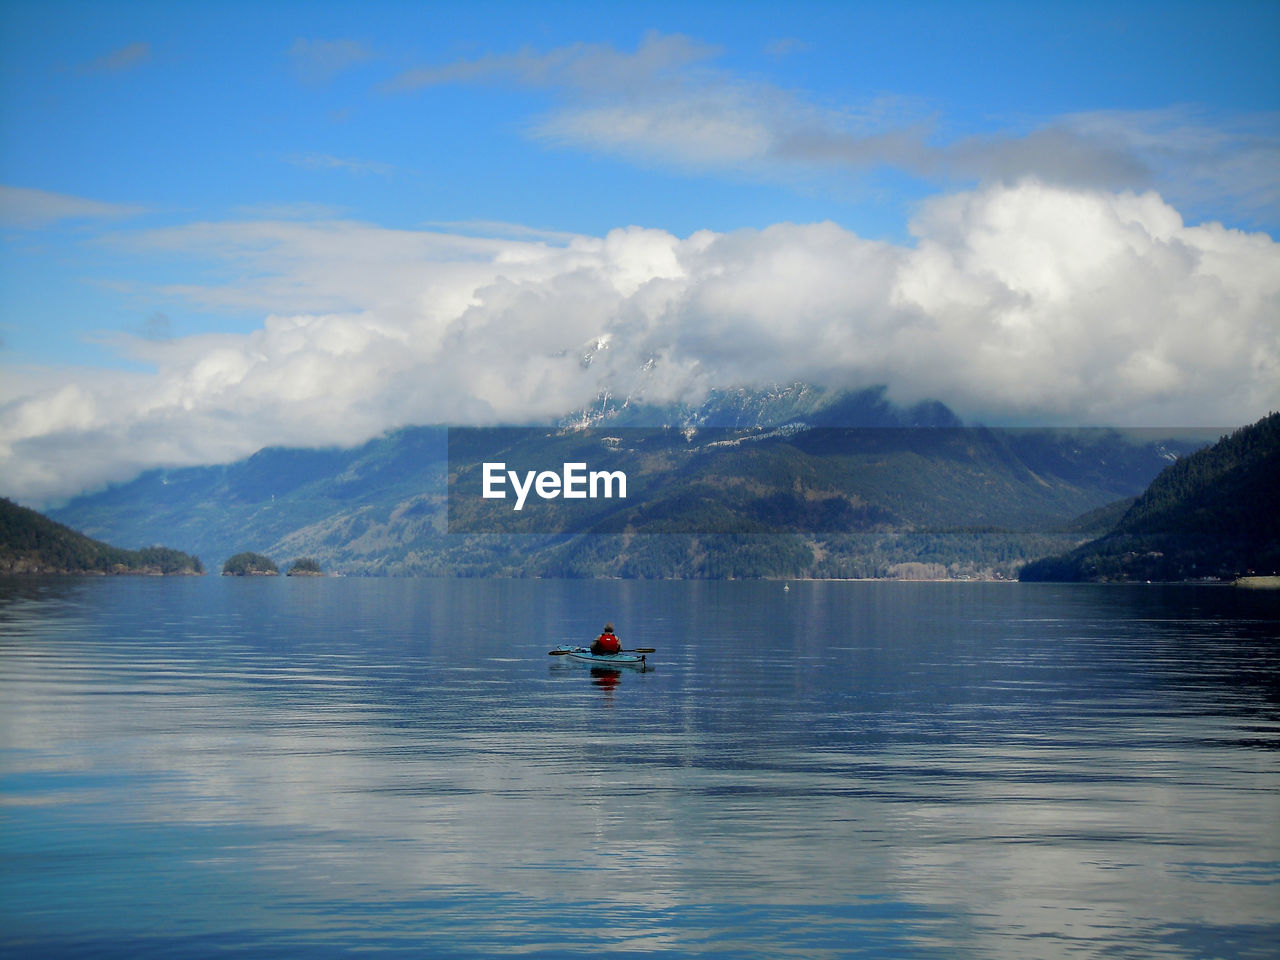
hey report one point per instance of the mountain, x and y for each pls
(745, 408)
(31, 543)
(324, 503)
(791, 481)
(1215, 514)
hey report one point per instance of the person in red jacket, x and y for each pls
(607, 642)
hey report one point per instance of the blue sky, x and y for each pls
(183, 182)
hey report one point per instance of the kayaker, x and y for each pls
(607, 642)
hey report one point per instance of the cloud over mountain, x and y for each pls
(1026, 302)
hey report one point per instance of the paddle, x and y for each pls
(565, 653)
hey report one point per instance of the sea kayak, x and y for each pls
(602, 659)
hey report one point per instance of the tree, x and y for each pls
(250, 565)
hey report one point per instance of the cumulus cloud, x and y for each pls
(1027, 303)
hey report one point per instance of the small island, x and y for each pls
(305, 567)
(250, 565)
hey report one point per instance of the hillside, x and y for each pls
(31, 543)
(1215, 513)
(348, 508)
(788, 482)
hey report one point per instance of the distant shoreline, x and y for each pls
(1258, 583)
(1248, 583)
(18, 574)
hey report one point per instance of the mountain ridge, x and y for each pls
(829, 484)
(1213, 514)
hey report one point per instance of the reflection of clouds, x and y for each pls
(1077, 846)
(326, 770)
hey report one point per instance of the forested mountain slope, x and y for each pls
(1215, 513)
(31, 543)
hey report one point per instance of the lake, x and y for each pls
(332, 767)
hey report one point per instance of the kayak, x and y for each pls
(602, 659)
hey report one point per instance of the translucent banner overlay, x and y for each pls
(799, 480)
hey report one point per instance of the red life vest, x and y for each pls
(606, 643)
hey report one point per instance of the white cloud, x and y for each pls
(26, 208)
(691, 133)
(659, 59)
(323, 161)
(319, 61)
(787, 46)
(331, 266)
(501, 228)
(117, 61)
(663, 104)
(297, 210)
(1030, 303)
(1224, 164)
(668, 104)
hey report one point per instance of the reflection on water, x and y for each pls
(842, 769)
(604, 678)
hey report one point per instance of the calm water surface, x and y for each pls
(331, 767)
